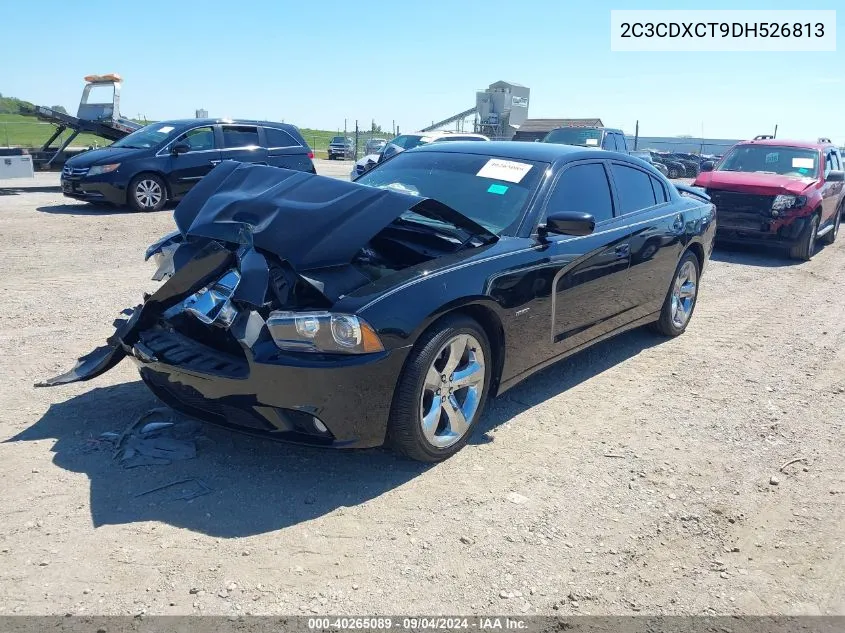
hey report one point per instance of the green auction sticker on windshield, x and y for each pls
(498, 189)
(806, 163)
(507, 170)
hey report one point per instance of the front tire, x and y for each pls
(680, 301)
(673, 173)
(806, 246)
(442, 391)
(147, 192)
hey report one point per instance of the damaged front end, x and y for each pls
(242, 332)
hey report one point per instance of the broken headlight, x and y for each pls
(323, 332)
(782, 202)
(162, 254)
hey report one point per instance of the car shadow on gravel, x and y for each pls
(564, 375)
(747, 255)
(252, 485)
(18, 191)
(91, 209)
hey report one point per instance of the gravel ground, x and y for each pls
(642, 476)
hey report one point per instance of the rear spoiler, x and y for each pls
(693, 191)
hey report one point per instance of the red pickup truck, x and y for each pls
(773, 191)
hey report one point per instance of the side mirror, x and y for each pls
(180, 148)
(707, 165)
(568, 223)
(835, 176)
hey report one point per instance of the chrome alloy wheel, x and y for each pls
(148, 193)
(684, 294)
(452, 391)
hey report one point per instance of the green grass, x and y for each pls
(17, 130)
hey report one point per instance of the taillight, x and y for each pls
(311, 155)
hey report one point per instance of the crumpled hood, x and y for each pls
(753, 182)
(102, 156)
(307, 220)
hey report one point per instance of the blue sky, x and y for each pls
(317, 63)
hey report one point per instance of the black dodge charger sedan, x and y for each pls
(389, 309)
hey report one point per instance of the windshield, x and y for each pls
(407, 141)
(584, 136)
(795, 162)
(401, 143)
(149, 136)
(340, 140)
(493, 192)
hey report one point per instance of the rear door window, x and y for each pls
(621, 143)
(240, 136)
(634, 189)
(610, 142)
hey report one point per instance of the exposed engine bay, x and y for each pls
(254, 241)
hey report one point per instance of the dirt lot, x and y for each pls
(642, 476)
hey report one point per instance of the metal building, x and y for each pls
(499, 111)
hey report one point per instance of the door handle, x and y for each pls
(623, 250)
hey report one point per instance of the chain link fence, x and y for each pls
(360, 142)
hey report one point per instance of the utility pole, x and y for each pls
(636, 135)
(776, 131)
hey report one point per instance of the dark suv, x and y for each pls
(341, 147)
(162, 161)
(769, 191)
(598, 137)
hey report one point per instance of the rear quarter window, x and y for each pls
(279, 138)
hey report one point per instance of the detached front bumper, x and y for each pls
(330, 400)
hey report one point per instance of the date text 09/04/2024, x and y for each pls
(417, 623)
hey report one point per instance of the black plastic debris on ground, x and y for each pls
(158, 437)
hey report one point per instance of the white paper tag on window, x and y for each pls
(592, 141)
(803, 163)
(166, 129)
(507, 170)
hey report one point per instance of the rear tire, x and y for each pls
(681, 298)
(806, 246)
(830, 237)
(424, 425)
(147, 192)
(673, 173)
